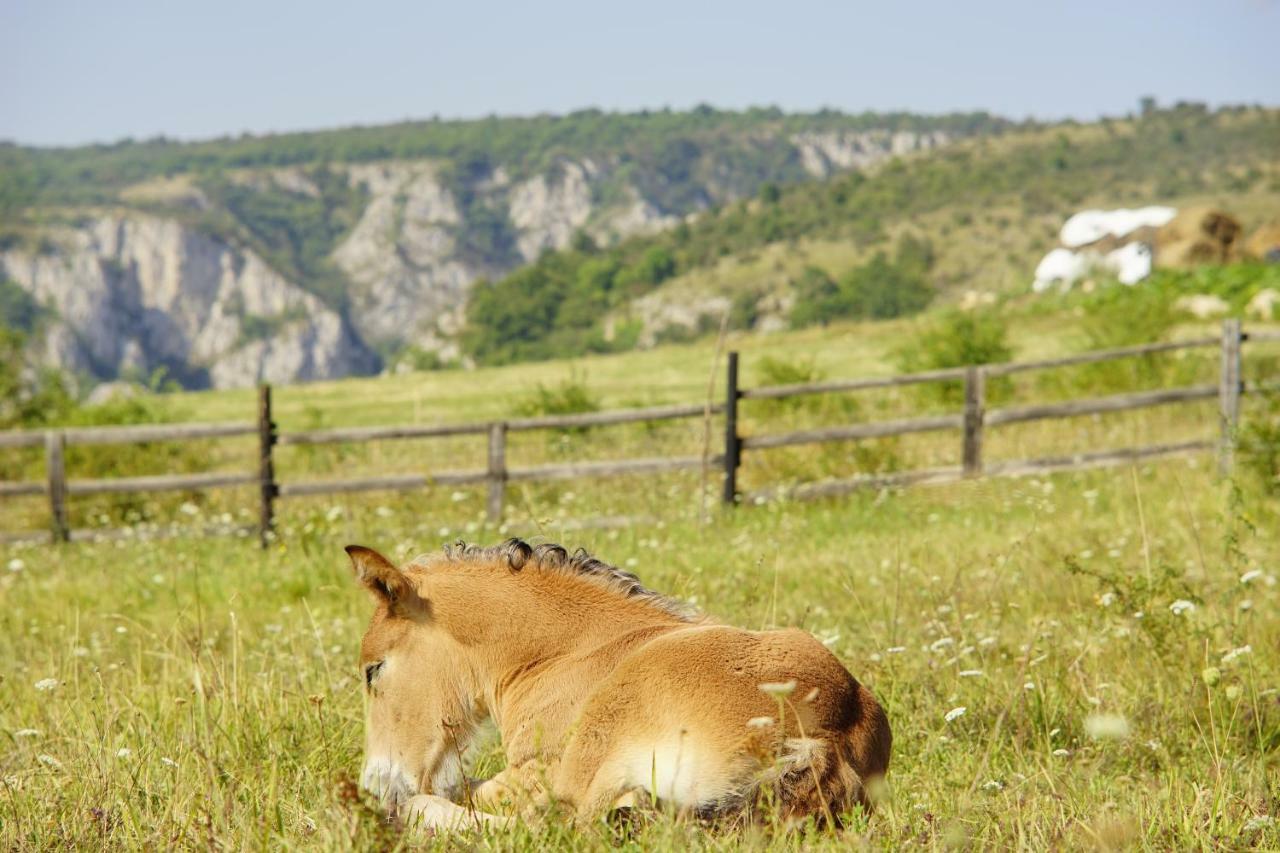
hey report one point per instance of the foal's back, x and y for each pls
(713, 718)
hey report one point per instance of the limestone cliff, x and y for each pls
(128, 293)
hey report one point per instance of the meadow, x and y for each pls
(1088, 660)
(1085, 661)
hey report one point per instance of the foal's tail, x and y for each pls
(826, 772)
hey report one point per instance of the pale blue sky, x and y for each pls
(73, 72)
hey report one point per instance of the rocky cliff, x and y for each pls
(203, 282)
(129, 293)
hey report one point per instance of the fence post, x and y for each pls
(975, 392)
(55, 466)
(497, 470)
(1229, 394)
(268, 489)
(732, 441)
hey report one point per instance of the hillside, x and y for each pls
(319, 255)
(976, 215)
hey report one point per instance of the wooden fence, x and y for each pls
(972, 422)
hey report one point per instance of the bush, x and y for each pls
(880, 289)
(959, 339)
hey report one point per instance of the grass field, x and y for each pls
(1083, 661)
(1086, 661)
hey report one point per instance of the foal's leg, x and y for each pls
(427, 811)
(513, 787)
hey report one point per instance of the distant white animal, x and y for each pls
(1088, 226)
(1131, 262)
(1062, 267)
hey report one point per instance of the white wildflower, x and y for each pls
(120, 629)
(458, 497)
(1237, 653)
(1181, 606)
(123, 752)
(1030, 685)
(955, 714)
(443, 532)
(16, 565)
(1107, 599)
(778, 689)
(334, 513)
(1062, 753)
(939, 645)
(169, 762)
(1262, 821)
(1247, 604)
(46, 684)
(993, 785)
(189, 508)
(1250, 576)
(970, 673)
(49, 761)
(384, 512)
(895, 650)
(759, 722)
(27, 733)
(1106, 727)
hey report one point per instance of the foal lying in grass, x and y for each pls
(602, 691)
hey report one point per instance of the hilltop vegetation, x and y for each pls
(670, 141)
(559, 305)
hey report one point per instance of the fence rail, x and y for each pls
(972, 421)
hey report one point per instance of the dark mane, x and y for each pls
(518, 555)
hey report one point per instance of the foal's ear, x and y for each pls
(381, 577)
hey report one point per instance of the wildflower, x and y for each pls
(895, 650)
(1247, 604)
(1262, 821)
(383, 512)
(955, 714)
(168, 762)
(1236, 653)
(992, 785)
(189, 508)
(759, 722)
(1233, 692)
(1181, 606)
(1107, 599)
(1211, 676)
(778, 689)
(1106, 727)
(46, 684)
(123, 752)
(458, 497)
(1062, 753)
(49, 761)
(16, 565)
(1246, 578)
(970, 673)
(27, 733)
(1030, 685)
(939, 645)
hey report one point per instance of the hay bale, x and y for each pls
(1264, 244)
(1198, 235)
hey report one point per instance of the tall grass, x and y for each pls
(1089, 660)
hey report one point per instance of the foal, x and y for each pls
(602, 691)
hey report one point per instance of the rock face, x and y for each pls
(134, 290)
(129, 293)
(824, 153)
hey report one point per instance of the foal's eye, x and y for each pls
(371, 672)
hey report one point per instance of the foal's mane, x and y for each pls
(518, 555)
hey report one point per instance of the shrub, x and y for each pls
(959, 339)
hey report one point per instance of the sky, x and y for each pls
(78, 72)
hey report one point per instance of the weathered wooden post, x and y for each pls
(268, 490)
(497, 471)
(1229, 387)
(975, 392)
(55, 466)
(732, 441)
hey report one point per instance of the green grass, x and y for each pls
(208, 693)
